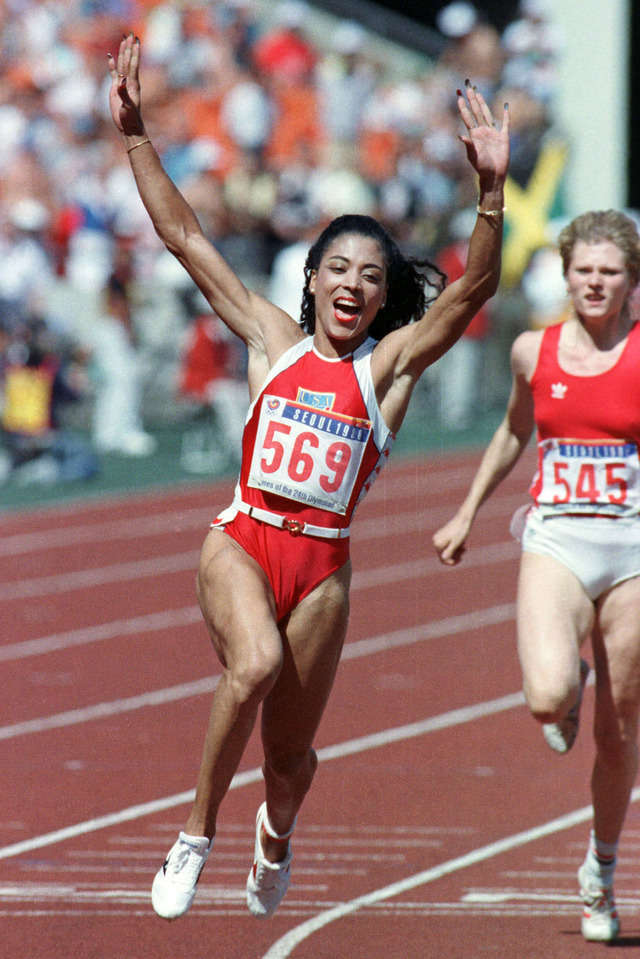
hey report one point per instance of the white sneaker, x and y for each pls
(600, 921)
(174, 886)
(267, 881)
(562, 735)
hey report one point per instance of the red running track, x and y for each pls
(438, 825)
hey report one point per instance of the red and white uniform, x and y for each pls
(588, 434)
(313, 444)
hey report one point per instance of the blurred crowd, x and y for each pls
(272, 118)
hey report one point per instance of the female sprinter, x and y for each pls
(578, 383)
(327, 397)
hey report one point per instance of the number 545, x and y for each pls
(586, 486)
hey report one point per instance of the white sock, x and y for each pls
(601, 859)
(195, 840)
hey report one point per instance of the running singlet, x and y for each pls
(588, 433)
(315, 438)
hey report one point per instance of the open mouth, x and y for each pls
(345, 311)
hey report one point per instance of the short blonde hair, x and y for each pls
(598, 226)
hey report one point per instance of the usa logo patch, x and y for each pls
(316, 401)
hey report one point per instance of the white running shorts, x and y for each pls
(600, 551)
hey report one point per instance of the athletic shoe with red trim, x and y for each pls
(561, 736)
(600, 921)
(267, 882)
(174, 886)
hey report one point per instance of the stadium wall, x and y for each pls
(593, 102)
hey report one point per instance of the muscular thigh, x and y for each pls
(313, 635)
(236, 600)
(554, 618)
(617, 643)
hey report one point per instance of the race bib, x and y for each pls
(581, 476)
(308, 455)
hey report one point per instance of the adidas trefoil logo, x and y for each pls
(558, 390)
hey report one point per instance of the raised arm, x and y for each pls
(502, 453)
(408, 351)
(266, 330)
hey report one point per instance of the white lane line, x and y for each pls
(418, 568)
(492, 898)
(179, 562)
(136, 625)
(435, 629)
(348, 748)
(452, 625)
(106, 530)
(73, 717)
(284, 946)
(88, 578)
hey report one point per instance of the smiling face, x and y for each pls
(598, 280)
(349, 287)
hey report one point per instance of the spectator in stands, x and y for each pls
(532, 47)
(473, 47)
(285, 52)
(459, 370)
(237, 23)
(117, 424)
(531, 122)
(26, 263)
(213, 377)
(36, 380)
(346, 79)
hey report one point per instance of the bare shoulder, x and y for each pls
(525, 351)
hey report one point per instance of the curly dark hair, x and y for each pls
(408, 278)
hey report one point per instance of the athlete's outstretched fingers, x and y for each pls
(124, 55)
(466, 114)
(485, 110)
(506, 118)
(478, 107)
(135, 59)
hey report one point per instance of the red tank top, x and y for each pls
(588, 432)
(315, 438)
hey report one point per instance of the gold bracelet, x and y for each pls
(136, 145)
(491, 212)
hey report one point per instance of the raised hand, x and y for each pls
(124, 95)
(487, 145)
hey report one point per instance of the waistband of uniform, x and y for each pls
(295, 527)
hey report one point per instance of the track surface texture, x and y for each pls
(439, 824)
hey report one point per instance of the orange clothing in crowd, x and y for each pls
(297, 130)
